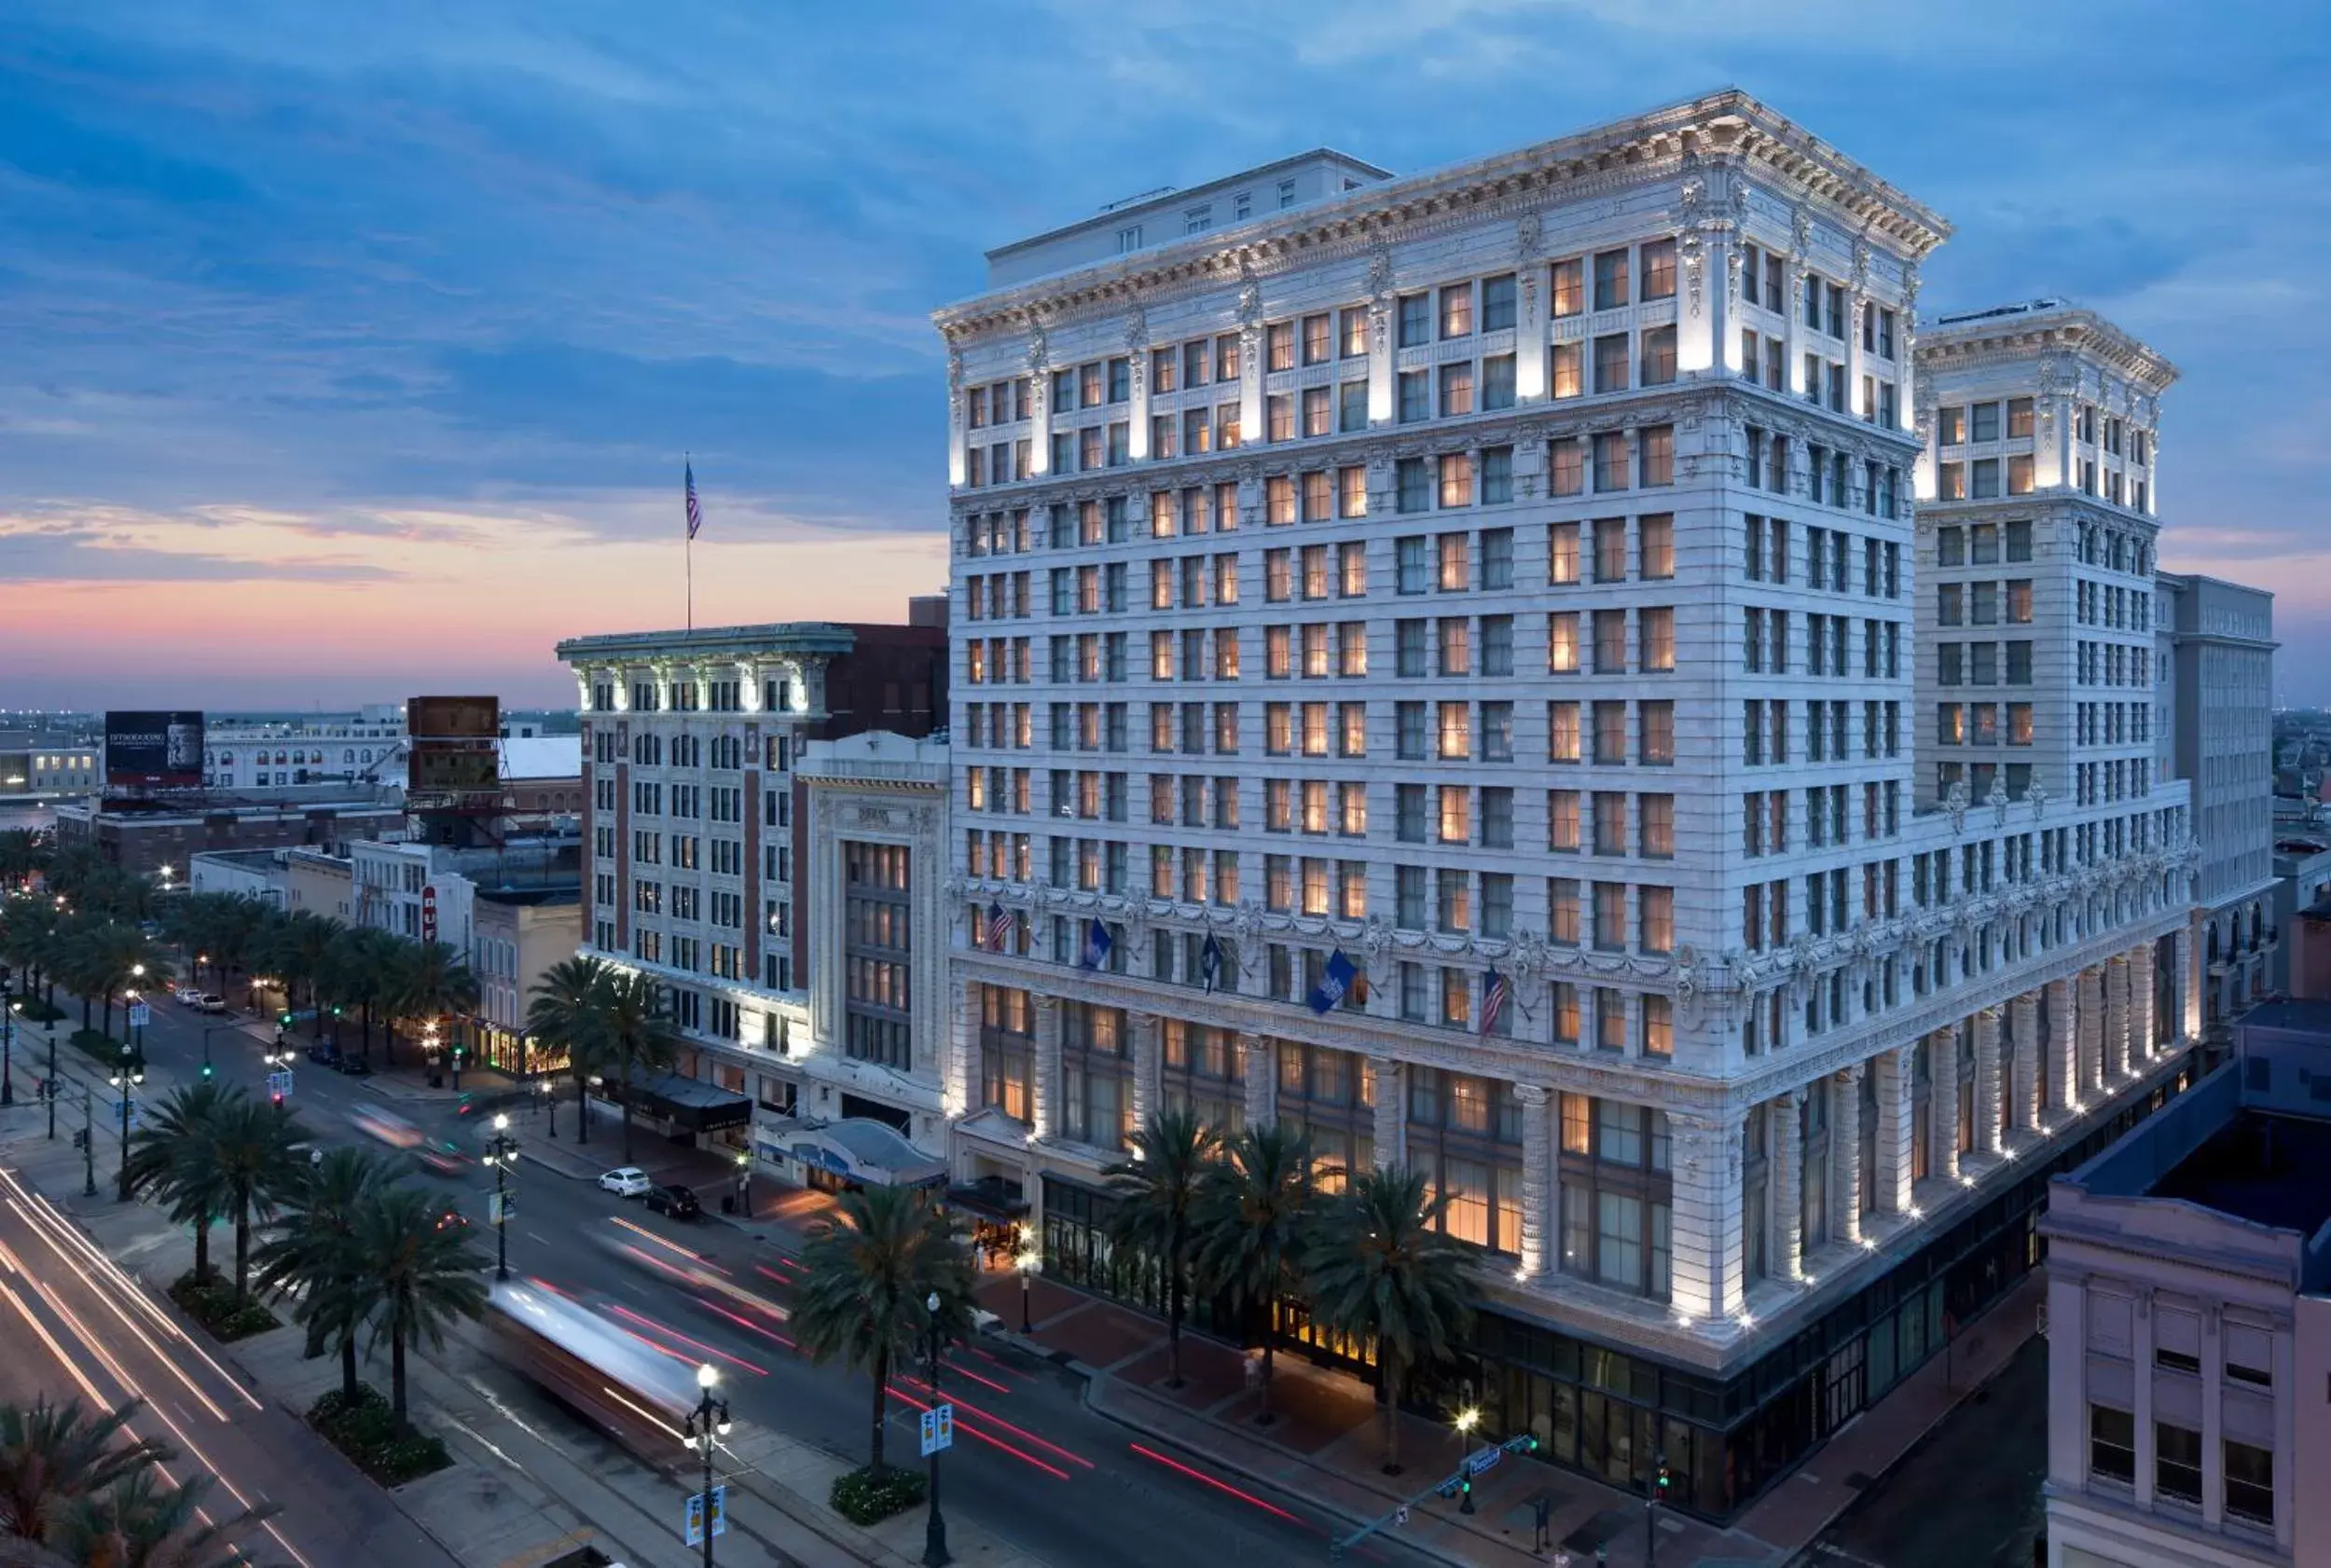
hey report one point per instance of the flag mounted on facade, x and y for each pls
(1210, 964)
(1492, 999)
(1098, 941)
(1329, 994)
(999, 928)
(695, 510)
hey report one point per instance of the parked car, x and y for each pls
(452, 1218)
(209, 1001)
(626, 1181)
(187, 994)
(678, 1202)
(354, 1067)
(323, 1054)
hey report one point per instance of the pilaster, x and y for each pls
(2063, 1052)
(1942, 1105)
(1986, 1026)
(1044, 1092)
(1391, 1083)
(1705, 1253)
(1789, 1186)
(1898, 1104)
(2091, 1036)
(1147, 1063)
(2140, 986)
(1540, 1215)
(1259, 1073)
(2023, 1023)
(1845, 1155)
(2116, 1018)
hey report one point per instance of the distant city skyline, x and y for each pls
(355, 354)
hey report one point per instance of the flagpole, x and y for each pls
(688, 545)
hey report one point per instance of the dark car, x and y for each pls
(678, 1202)
(354, 1067)
(322, 1055)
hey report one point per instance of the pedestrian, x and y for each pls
(1254, 1371)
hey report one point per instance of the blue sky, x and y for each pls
(350, 350)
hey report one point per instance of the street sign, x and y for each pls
(279, 1083)
(137, 1119)
(1400, 1515)
(1485, 1460)
(500, 1206)
(139, 1016)
(696, 1515)
(938, 1429)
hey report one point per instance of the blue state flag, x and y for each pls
(1329, 994)
(1098, 941)
(1210, 964)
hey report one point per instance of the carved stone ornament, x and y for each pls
(1861, 262)
(1801, 233)
(1039, 349)
(1250, 304)
(2036, 796)
(1380, 271)
(1529, 238)
(1955, 802)
(1137, 329)
(1731, 276)
(1691, 253)
(1997, 800)
(1375, 938)
(2057, 376)
(1690, 196)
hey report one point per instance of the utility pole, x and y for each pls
(935, 1523)
(51, 1088)
(89, 1141)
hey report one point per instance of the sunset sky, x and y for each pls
(351, 351)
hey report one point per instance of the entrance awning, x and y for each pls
(857, 1149)
(688, 1104)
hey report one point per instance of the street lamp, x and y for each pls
(704, 1427)
(744, 1183)
(127, 1074)
(1030, 1262)
(935, 1522)
(499, 1151)
(7, 1054)
(550, 1103)
(1465, 1420)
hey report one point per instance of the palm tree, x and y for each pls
(52, 1454)
(159, 1163)
(637, 1031)
(246, 1169)
(361, 969)
(869, 1272)
(144, 1522)
(564, 1014)
(23, 851)
(303, 956)
(1379, 1270)
(1156, 1191)
(417, 1277)
(1252, 1214)
(432, 983)
(313, 1251)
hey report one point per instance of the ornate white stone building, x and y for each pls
(1503, 581)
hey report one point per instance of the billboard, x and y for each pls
(155, 749)
(453, 718)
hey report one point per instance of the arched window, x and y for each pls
(349, 755)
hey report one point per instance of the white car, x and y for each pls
(187, 995)
(626, 1181)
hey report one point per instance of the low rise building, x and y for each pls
(160, 837)
(243, 873)
(2190, 1321)
(517, 934)
(2300, 962)
(48, 763)
(320, 882)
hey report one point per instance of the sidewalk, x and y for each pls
(1325, 1442)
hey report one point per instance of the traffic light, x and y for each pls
(1530, 1443)
(275, 1097)
(207, 1069)
(283, 1020)
(1663, 1478)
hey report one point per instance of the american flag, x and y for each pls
(999, 928)
(695, 512)
(1492, 999)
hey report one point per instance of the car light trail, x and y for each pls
(967, 1429)
(1201, 1476)
(711, 1305)
(999, 1421)
(693, 1344)
(669, 1245)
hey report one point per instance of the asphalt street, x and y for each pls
(1031, 1462)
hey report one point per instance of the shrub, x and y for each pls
(38, 1009)
(211, 1302)
(367, 1431)
(98, 1046)
(870, 1496)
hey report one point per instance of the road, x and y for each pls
(1031, 1462)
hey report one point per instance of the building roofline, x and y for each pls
(783, 639)
(1726, 123)
(1169, 195)
(2053, 323)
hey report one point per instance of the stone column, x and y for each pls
(1039, 413)
(1540, 1219)
(1391, 1081)
(2116, 1019)
(1896, 1106)
(2141, 984)
(963, 1065)
(1137, 410)
(1943, 1106)
(2140, 1353)
(2091, 1035)
(1044, 1092)
(1789, 1186)
(2023, 1020)
(1986, 1025)
(1845, 1154)
(2214, 1418)
(1259, 1072)
(1704, 1272)
(1149, 1061)
(1380, 352)
(2182, 1028)
(1793, 334)
(2063, 1052)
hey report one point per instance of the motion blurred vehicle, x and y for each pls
(626, 1181)
(452, 1218)
(610, 1377)
(441, 1156)
(680, 1202)
(385, 1127)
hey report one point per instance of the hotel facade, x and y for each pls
(1557, 594)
